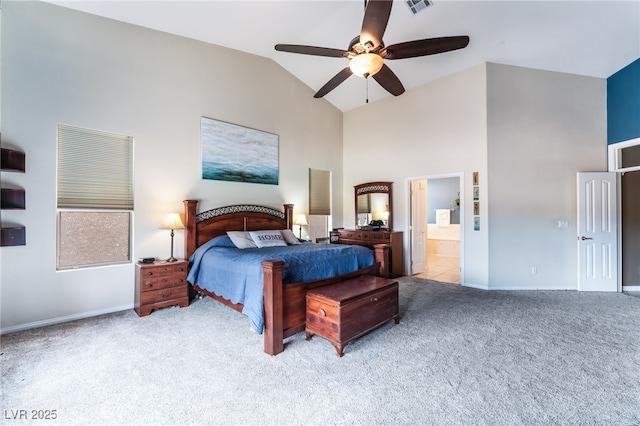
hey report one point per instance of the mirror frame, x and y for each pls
(375, 188)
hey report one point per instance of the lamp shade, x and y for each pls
(172, 221)
(301, 220)
(366, 64)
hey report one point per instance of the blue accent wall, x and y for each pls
(623, 104)
(441, 194)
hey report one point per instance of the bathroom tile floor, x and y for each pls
(442, 268)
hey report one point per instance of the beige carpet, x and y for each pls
(458, 357)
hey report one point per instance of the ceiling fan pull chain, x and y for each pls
(367, 83)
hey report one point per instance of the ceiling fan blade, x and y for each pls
(376, 17)
(334, 82)
(429, 46)
(389, 81)
(311, 50)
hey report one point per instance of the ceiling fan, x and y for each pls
(367, 52)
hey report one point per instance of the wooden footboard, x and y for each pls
(285, 305)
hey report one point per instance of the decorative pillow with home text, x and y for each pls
(268, 238)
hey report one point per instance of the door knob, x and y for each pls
(585, 238)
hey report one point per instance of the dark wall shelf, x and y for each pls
(13, 236)
(12, 160)
(12, 199)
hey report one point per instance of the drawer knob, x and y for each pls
(322, 313)
(165, 295)
(374, 299)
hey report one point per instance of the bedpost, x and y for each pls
(190, 227)
(382, 257)
(288, 215)
(273, 306)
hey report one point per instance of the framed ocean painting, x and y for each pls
(238, 154)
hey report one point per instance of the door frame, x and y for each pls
(613, 155)
(408, 218)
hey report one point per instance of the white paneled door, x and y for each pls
(597, 231)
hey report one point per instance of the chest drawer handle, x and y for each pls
(374, 299)
(165, 295)
(322, 313)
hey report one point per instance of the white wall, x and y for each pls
(527, 132)
(544, 127)
(434, 129)
(62, 66)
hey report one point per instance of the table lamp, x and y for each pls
(301, 220)
(172, 221)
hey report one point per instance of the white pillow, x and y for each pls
(241, 239)
(268, 238)
(289, 236)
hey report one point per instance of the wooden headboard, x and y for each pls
(201, 227)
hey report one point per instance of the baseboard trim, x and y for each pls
(477, 286)
(528, 288)
(60, 320)
(631, 287)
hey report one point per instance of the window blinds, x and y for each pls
(319, 192)
(95, 169)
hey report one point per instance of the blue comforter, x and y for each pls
(218, 266)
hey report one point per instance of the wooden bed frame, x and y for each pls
(284, 305)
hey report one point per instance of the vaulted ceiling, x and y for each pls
(592, 38)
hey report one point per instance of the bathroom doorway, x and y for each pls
(435, 224)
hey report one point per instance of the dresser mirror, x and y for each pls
(373, 203)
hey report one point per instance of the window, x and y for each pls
(95, 197)
(624, 156)
(319, 192)
(319, 203)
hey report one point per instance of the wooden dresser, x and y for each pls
(371, 238)
(345, 311)
(161, 284)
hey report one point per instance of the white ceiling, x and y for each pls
(588, 37)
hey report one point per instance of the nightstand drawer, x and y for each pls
(157, 271)
(180, 270)
(156, 283)
(162, 295)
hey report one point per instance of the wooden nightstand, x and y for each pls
(161, 284)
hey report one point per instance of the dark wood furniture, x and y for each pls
(395, 266)
(12, 160)
(161, 284)
(284, 305)
(345, 311)
(375, 199)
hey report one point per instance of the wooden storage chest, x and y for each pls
(347, 310)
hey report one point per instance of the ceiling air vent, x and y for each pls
(418, 5)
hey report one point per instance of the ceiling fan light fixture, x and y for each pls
(366, 64)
